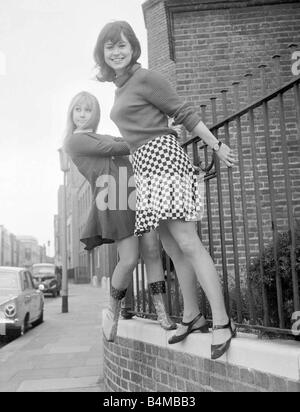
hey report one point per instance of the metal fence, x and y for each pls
(251, 224)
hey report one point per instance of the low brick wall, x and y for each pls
(133, 364)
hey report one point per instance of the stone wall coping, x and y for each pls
(186, 4)
(276, 357)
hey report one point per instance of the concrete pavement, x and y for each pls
(64, 354)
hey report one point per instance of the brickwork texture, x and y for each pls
(133, 366)
(203, 47)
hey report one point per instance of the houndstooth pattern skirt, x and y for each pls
(166, 184)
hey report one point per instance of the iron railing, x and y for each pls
(250, 224)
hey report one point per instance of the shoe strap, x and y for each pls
(117, 293)
(158, 287)
(192, 322)
(228, 325)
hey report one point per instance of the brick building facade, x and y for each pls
(203, 47)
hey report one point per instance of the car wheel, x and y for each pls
(13, 334)
(25, 326)
(16, 333)
(39, 320)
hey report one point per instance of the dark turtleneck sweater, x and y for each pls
(144, 100)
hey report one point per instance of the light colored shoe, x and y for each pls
(158, 293)
(111, 315)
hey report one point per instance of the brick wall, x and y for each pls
(218, 42)
(214, 44)
(134, 366)
(158, 40)
(213, 48)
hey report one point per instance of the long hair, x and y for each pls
(112, 32)
(92, 103)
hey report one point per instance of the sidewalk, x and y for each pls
(63, 354)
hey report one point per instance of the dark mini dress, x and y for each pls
(103, 160)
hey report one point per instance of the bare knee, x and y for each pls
(189, 246)
(128, 263)
(151, 252)
(150, 247)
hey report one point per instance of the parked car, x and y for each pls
(46, 278)
(21, 304)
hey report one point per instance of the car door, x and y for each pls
(34, 298)
(38, 297)
(25, 297)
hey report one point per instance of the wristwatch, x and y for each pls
(216, 147)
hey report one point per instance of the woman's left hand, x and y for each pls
(227, 155)
(178, 130)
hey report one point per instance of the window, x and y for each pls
(27, 253)
(29, 280)
(98, 257)
(24, 280)
(69, 234)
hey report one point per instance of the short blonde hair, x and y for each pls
(91, 101)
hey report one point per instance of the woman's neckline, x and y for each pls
(123, 78)
(83, 131)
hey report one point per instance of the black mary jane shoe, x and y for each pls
(190, 329)
(218, 350)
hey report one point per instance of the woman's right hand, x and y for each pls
(227, 155)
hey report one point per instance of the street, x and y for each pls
(65, 352)
(48, 301)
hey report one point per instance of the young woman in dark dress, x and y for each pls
(167, 191)
(103, 161)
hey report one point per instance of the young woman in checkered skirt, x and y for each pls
(167, 192)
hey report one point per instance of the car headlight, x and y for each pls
(41, 287)
(10, 310)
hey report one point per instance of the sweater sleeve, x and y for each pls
(83, 144)
(158, 91)
(117, 139)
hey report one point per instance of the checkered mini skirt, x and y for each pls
(166, 184)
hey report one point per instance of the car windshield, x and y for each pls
(44, 277)
(43, 269)
(8, 283)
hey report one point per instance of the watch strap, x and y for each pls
(219, 144)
